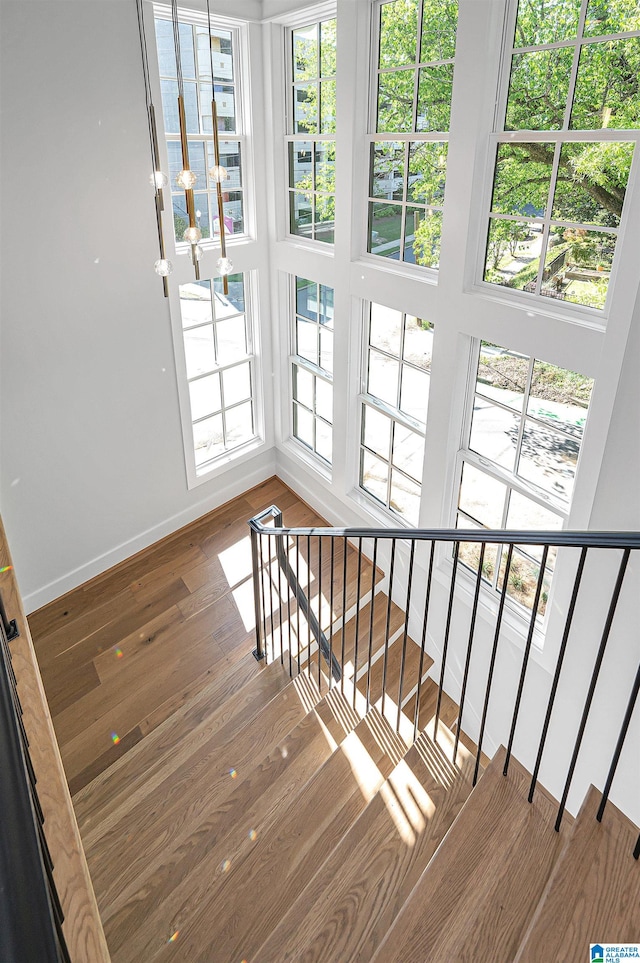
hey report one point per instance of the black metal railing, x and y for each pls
(284, 602)
(30, 913)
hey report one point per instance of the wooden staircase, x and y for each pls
(282, 822)
(267, 815)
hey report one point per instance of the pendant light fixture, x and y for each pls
(218, 174)
(186, 179)
(159, 179)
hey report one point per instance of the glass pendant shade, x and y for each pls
(192, 235)
(186, 180)
(225, 265)
(218, 173)
(159, 180)
(163, 267)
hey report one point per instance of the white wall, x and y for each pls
(92, 456)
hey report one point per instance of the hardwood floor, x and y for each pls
(125, 651)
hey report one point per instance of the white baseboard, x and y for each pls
(252, 474)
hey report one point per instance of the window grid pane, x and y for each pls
(557, 205)
(197, 91)
(518, 470)
(311, 159)
(219, 364)
(312, 388)
(413, 83)
(394, 411)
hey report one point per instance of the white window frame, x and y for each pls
(572, 312)
(318, 461)
(306, 18)
(405, 138)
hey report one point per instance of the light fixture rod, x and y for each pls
(153, 138)
(216, 158)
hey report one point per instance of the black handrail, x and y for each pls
(569, 539)
(586, 541)
(30, 913)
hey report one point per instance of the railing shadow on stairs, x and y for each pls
(290, 627)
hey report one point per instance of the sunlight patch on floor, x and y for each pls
(364, 769)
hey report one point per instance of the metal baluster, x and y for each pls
(594, 681)
(278, 539)
(319, 607)
(619, 745)
(289, 613)
(373, 590)
(492, 663)
(309, 607)
(558, 669)
(357, 627)
(406, 631)
(331, 600)
(297, 599)
(344, 611)
(636, 851)
(263, 596)
(525, 659)
(445, 646)
(427, 597)
(467, 663)
(272, 607)
(386, 631)
(259, 650)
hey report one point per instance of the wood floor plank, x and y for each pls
(193, 872)
(192, 869)
(282, 862)
(159, 820)
(237, 691)
(593, 895)
(353, 899)
(474, 899)
(118, 659)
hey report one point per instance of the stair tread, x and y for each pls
(315, 581)
(194, 867)
(364, 622)
(212, 709)
(475, 898)
(182, 795)
(350, 903)
(594, 892)
(394, 666)
(283, 861)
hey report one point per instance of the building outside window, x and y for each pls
(408, 154)
(312, 367)
(312, 127)
(196, 71)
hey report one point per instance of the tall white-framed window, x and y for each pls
(411, 109)
(196, 70)
(568, 124)
(311, 362)
(311, 144)
(523, 433)
(393, 408)
(220, 368)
